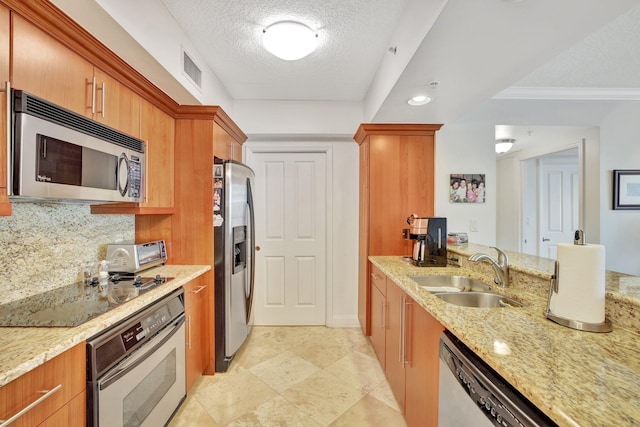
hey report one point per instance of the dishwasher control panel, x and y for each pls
(469, 388)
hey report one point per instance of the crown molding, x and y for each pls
(570, 93)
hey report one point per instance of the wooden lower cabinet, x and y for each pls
(64, 407)
(395, 367)
(411, 362)
(197, 332)
(422, 368)
(378, 316)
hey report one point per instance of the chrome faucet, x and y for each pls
(500, 267)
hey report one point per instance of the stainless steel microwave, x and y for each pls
(59, 155)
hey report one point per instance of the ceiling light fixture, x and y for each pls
(504, 145)
(289, 40)
(419, 100)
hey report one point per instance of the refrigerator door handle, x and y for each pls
(250, 252)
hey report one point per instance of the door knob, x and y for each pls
(544, 239)
(257, 248)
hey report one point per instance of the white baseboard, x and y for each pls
(344, 321)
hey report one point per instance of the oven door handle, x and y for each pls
(139, 356)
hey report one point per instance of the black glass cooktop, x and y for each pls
(74, 304)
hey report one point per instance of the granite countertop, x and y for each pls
(23, 349)
(577, 378)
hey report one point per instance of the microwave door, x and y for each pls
(102, 173)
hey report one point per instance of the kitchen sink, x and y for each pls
(446, 283)
(478, 299)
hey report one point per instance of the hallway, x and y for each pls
(296, 376)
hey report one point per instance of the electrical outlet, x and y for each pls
(473, 225)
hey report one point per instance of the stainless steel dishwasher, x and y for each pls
(472, 394)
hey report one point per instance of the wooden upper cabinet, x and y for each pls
(46, 68)
(5, 206)
(59, 75)
(114, 104)
(225, 146)
(396, 180)
(157, 129)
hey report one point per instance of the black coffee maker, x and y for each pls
(430, 246)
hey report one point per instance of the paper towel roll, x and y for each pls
(581, 283)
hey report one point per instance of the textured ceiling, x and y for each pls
(353, 36)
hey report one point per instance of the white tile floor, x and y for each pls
(296, 376)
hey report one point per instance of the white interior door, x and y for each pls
(559, 203)
(290, 206)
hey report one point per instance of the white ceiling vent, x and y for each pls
(191, 70)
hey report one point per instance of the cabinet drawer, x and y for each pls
(379, 279)
(65, 373)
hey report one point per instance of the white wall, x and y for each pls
(298, 117)
(342, 294)
(510, 175)
(620, 149)
(467, 149)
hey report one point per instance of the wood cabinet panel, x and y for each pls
(364, 313)
(421, 386)
(115, 105)
(46, 68)
(158, 130)
(5, 206)
(396, 180)
(198, 331)
(395, 367)
(67, 369)
(73, 414)
(378, 324)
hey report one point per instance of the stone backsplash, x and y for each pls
(43, 245)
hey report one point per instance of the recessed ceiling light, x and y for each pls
(419, 100)
(289, 40)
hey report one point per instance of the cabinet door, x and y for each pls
(115, 105)
(158, 130)
(5, 206)
(421, 389)
(395, 345)
(378, 321)
(363, 242)
(66, 371)
(196, 294)
(73, 414)
(48, 69)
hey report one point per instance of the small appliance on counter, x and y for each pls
(131, 258)
(577, 288)
(430, 246)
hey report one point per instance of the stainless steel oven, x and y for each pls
(136, 369)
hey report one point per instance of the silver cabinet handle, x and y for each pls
(92, 83)
(401, 350)
(46, 394)
(102, 93)
(188, 322)
(544, 239)
(406, 360)
(7, 88)
(200, 289)
(382, 315)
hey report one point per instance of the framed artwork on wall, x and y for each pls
(467, 188)
(626, 189)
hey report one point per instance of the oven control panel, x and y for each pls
(148, 326)
(115, 344)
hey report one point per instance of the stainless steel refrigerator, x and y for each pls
(234, 251)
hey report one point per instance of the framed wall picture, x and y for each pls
(467, 188)
(626, 189)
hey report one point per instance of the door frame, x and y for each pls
(525, 185)
(248, 153)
